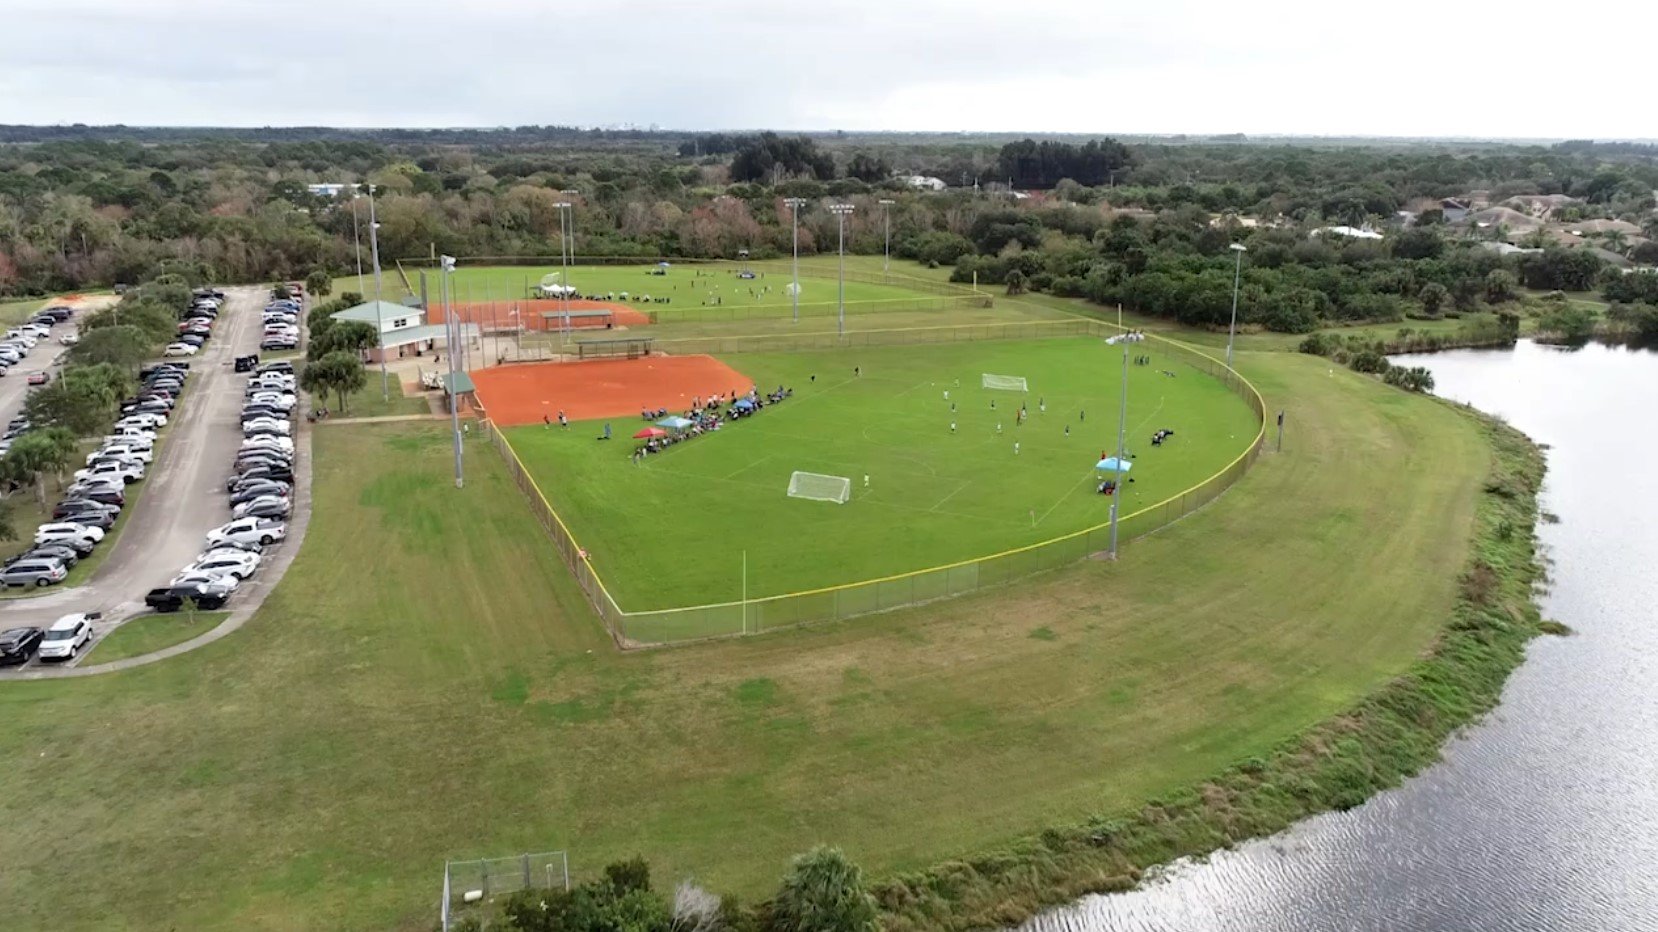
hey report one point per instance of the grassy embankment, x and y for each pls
(445, 693)
(148, 633)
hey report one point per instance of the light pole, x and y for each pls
(1122, 421)
(795, 203)
(379, 322)
(447, 264)
(841, 211)
(1237, 276)
(886, 228)
(357, 242)
(564, 263)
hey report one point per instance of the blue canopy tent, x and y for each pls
(674, 423)
(743, 403)
(1110, 464)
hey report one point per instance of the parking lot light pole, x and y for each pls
(1237, 276)
(795, 203)
(357, 241)
(886, 228)
(1122, 420)
(841, 211)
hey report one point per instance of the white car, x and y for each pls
(225, 582)
(64, 531)
(21, 337)
(129, 471)
(276, 503)
(178, 349)
(268, 425)
(38, 331)
(69, 339)
(146, 420)
(65, 638)
(238, 563)
(282, 401)
(268, 442)
(261, 531)
(138, 452)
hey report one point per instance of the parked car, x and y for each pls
(101, 493)
(102, 520)
(239, 564)
(130, 471)
(65, 638)
(69, 339)
(267, 442)
(259, 488)
(178, 349)
(65, 531)
(145, 421)
(281, 365)
(17, 645)
(266, 425)
(257, 530)
(33, 572)
(265, 506)
(172, 598)
(69, 505)
(224, 582)
(39, 378)
(64, 554)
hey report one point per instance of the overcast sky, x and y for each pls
(1519, 68)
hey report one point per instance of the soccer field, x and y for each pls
(698, 290)
(673, 530)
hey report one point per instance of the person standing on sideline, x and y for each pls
(606, 431)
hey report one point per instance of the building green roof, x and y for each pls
(456, 382)
(373, 312)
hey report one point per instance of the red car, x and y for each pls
(39, 378)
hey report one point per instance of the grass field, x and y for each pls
(442, 691)
(148, 633)
(670, 531)
(694, 289)
(13, 312)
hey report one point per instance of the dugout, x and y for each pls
(627, 347)
(561, 320)
(458, 388)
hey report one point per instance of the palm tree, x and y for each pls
(38, 453)
(1616, 240)
(1649, 225)
(823, 892)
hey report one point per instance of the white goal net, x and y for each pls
(820, 488)
(1006, 383)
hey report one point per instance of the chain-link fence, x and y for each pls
(470, 888)
(752, 616)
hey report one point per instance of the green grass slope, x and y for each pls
(426, 683)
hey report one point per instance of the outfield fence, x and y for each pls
(470, 887)
(753, 616)
(890, 336)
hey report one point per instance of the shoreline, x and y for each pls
(1338, 764)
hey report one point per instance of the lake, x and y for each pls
(1544, 815)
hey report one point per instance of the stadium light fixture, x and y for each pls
(841, 211)
(1237, 276)
(794, 204)
(886, 228)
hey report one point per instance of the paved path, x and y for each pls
(184, 499)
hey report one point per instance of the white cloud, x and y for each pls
(1409, 67)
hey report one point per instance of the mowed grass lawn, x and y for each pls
(426, 683)
(671, 530)
(696, 290)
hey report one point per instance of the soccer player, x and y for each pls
(1015, 448)
(952, 427)
(998, 427)
(946, 394)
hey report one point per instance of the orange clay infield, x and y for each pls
(498, 316)
(524, 393)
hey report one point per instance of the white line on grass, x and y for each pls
(964, 484)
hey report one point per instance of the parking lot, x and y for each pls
(183, 495)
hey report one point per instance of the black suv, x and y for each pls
(172, 598)
(19, 644)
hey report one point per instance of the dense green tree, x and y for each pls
(38, 454)
(318, 283)
(339, 372)
(1433, 297)
(345, 336)
(823, 892)
(124, 346)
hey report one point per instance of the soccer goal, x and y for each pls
(1006, 383)
(820, 488)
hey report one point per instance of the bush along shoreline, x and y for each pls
(1336, 765)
